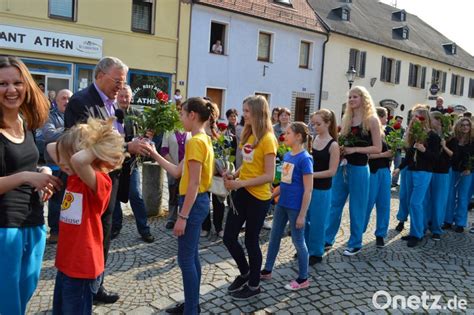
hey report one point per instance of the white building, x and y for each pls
(271, 47)
(396, 55)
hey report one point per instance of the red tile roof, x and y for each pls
(300, 14)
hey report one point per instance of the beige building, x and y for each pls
(61, 40)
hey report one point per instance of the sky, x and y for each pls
(452, 18)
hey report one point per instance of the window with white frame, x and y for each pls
(264, 46)
(390, 70)
(439, 77)
(142, 16)
(416, 76)
(62, 9)
(357, 60)
(305, 53)
(218, 38)
(457, 85)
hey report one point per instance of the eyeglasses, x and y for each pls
(117, 82)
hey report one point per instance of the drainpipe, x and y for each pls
(322, 72)
(177, 47)
(191, 3)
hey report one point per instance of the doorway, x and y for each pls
(302, 109)
(217, 97)
(55, 76)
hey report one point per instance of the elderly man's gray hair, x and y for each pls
(106, 63)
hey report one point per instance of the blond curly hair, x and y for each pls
(368, 111)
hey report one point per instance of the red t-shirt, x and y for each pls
(80, 251)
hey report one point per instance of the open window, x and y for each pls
(218, 38)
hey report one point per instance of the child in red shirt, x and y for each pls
(86, 152)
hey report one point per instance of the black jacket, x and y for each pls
(84, 104)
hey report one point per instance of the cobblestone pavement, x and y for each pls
(148, 279)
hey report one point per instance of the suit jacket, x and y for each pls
(84, 104)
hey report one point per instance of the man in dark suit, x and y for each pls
(98, 101)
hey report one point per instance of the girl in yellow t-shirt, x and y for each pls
(195, 170)
(252, 198)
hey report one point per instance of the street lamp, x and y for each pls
(350, 75)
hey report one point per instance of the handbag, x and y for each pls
(218, 188)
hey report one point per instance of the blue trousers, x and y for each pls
(137, 204)
(436, 200)
(418, 184)
(316, 221)
(403, 211)
(379, 195)
(188, 252)
(353, 181)
(20, 265)
(280, 217)
(456, 210)
(73, 295)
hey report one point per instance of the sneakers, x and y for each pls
(407, 237)
(205, 233)
(265, 275)
(413, 241)
(400, 226)
(148, 238)
(179, 309)
(294, 285)
(267, 225)
(436, 237)
(379, 242)
(221, 234)
(447, 226)
(351, 251)
(459, 229)
(327, 246)
(238, 283)
(245, 294)
(313, 260)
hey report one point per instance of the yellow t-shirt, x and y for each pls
(253, 163)
(198, 148)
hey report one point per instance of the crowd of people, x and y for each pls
(91, 152)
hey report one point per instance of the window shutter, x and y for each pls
(410, 75)
(471, 88)
(453, 84)
(362, 64)
(352, 59)
(433, 76)
(383, 70)
(462, 87)
(423, 77)
(443, 88)
(397, 72)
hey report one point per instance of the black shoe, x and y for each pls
(327, 247)
(148, 238)
(379, 242)
(447, 226)
(459, 229)
(238, 284)
(179, 309)
(436, 237)
(413, 241)
(400, 226)
(105, 296)
(246, 293)
(169, 225)
(313, 260)
(114, 234)
(295, 255)
(407, 237)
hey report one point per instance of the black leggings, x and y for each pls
(252, 211)
(217, 215)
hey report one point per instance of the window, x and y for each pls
(450, 48)
(357, 60)
(439, 77)
(417, 76)
(470, 93)
(345, 14)
(264, 46)
(390, 70)
(218, 36)
(62, 9)
(305, 52)
(401, 32)
(399, 16)
(266, 95)
(405, 33)
(457, 85)
(142, 16)
(145, 84)
(403, 16)
(284, 2)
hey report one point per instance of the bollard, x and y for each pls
(152, 187)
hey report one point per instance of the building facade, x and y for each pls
(400, 59)
(61, 41)
(266, 48)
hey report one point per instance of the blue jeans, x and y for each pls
(379, 196)
(316, 221)
(20, 265)
(73, 295)
(402, 214)
(188, 252)
(137, 204)
(456, 211)
(418, 184)
(280, 217)
(352, 181)
(436, 201)
(54, 203)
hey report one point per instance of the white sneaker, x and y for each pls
(221, 234)
(267, 225)
(204, 233)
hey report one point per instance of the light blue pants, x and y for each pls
(316, 221)
(379, 195)
(402, 214)
(353, 181)
(280, 217)
(418, 184)
(456, 210)
(436, 199)
(21, 255)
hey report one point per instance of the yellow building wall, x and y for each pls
(164, 51)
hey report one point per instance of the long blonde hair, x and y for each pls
(368, 109)
(260, 122)
(423, 111)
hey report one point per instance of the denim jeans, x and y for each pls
(280, 217)
(54, 203)
(73, 295)
(137, 204)
(188, 252)
(252, 211)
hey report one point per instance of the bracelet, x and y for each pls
(183, 216)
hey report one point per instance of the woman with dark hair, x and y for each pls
(284, 118)
(275, 112)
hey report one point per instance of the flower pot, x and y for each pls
(152, 188)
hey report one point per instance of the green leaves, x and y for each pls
(159, 118)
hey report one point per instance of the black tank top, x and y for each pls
(376, 164)
(363, 140)
(321, 163)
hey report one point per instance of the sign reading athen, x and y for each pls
(20, 38)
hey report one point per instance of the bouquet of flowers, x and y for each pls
(394, 138)
(447, 122)
(419, 133)
(281, 151)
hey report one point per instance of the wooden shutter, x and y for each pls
(397, 72)
(423, 77)
(410, 75)
(352, 59)
(462, 87)
(362, 64)
(453, 85)
(443, 88)
(383, 70)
